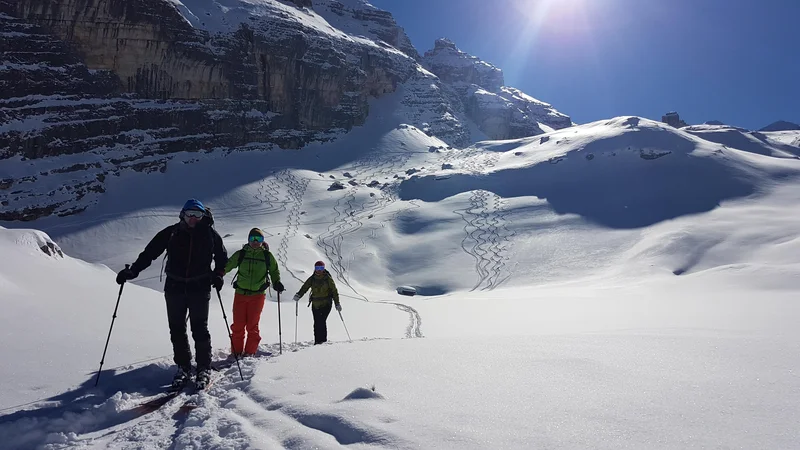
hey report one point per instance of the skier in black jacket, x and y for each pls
(191, 244)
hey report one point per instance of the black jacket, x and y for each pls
(189, 256)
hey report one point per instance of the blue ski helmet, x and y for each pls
(193, 204)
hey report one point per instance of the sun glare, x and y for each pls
(555, 12)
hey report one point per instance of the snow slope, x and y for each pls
(620, 284)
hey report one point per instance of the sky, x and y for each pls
(728, 60)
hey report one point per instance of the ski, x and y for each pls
(192, 402)
(160, 400)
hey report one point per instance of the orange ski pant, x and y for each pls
(246, 316)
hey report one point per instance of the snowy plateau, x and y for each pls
(615, 284)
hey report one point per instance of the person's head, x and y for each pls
(255, 238)
(192, 212)
(319, 268)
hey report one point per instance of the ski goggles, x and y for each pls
(256, 238)
(319, 268)
(193, 213)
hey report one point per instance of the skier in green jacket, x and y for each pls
(256, 267)
(323, 296)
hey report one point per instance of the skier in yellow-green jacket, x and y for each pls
(257, 266)
(323, 296)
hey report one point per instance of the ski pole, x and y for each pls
(280, 334)
(296, 306)
(222, 307)
(345, 327)
(113, 318)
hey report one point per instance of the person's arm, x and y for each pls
(334, 292)
(220, 253)
(233, 262)
(305, 288)
(153, 250)
(274, 273)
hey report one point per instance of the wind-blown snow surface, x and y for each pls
(620, 284)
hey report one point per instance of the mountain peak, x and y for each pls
(452, 65)
(444, 43)
(781, 125)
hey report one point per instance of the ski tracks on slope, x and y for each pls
(487, 238)
(294, 197)
(350, 215)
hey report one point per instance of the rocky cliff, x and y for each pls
(92, 88)
(143, 79)
(501, 112)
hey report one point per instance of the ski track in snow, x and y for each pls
(486, 235)
(486, 238)
(414, 329)
(297, 188)
(350, 217)
(227, 415)
(350, 214)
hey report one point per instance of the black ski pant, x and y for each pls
(195, 304)
(320, 323)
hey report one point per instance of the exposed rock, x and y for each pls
(125, 85)
(458, 68)
(501, 112)
(130, 82)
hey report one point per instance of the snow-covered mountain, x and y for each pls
(621, 269)
(169, 76)
(616, 284)
(784, 145)
(501, 112)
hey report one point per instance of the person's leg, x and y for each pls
(177, 309)
(325, 312)
(320, 326)
(255, 305)
(198, 317)
(239, 323)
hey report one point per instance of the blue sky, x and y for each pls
(731, 60)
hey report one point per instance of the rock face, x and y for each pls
(130, 82)
(501, 112)
(92, 88)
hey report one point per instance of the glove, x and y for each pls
(339, 307)
(279, 286)
(125, 275)
(296, 298)
(217, 281)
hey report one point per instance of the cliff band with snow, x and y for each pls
(98, 87)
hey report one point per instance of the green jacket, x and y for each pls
(252, 276)
(323, 290)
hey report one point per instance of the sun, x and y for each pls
(556, 17)
(550, 10)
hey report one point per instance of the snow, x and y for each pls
(226, 16)
(643, 297)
